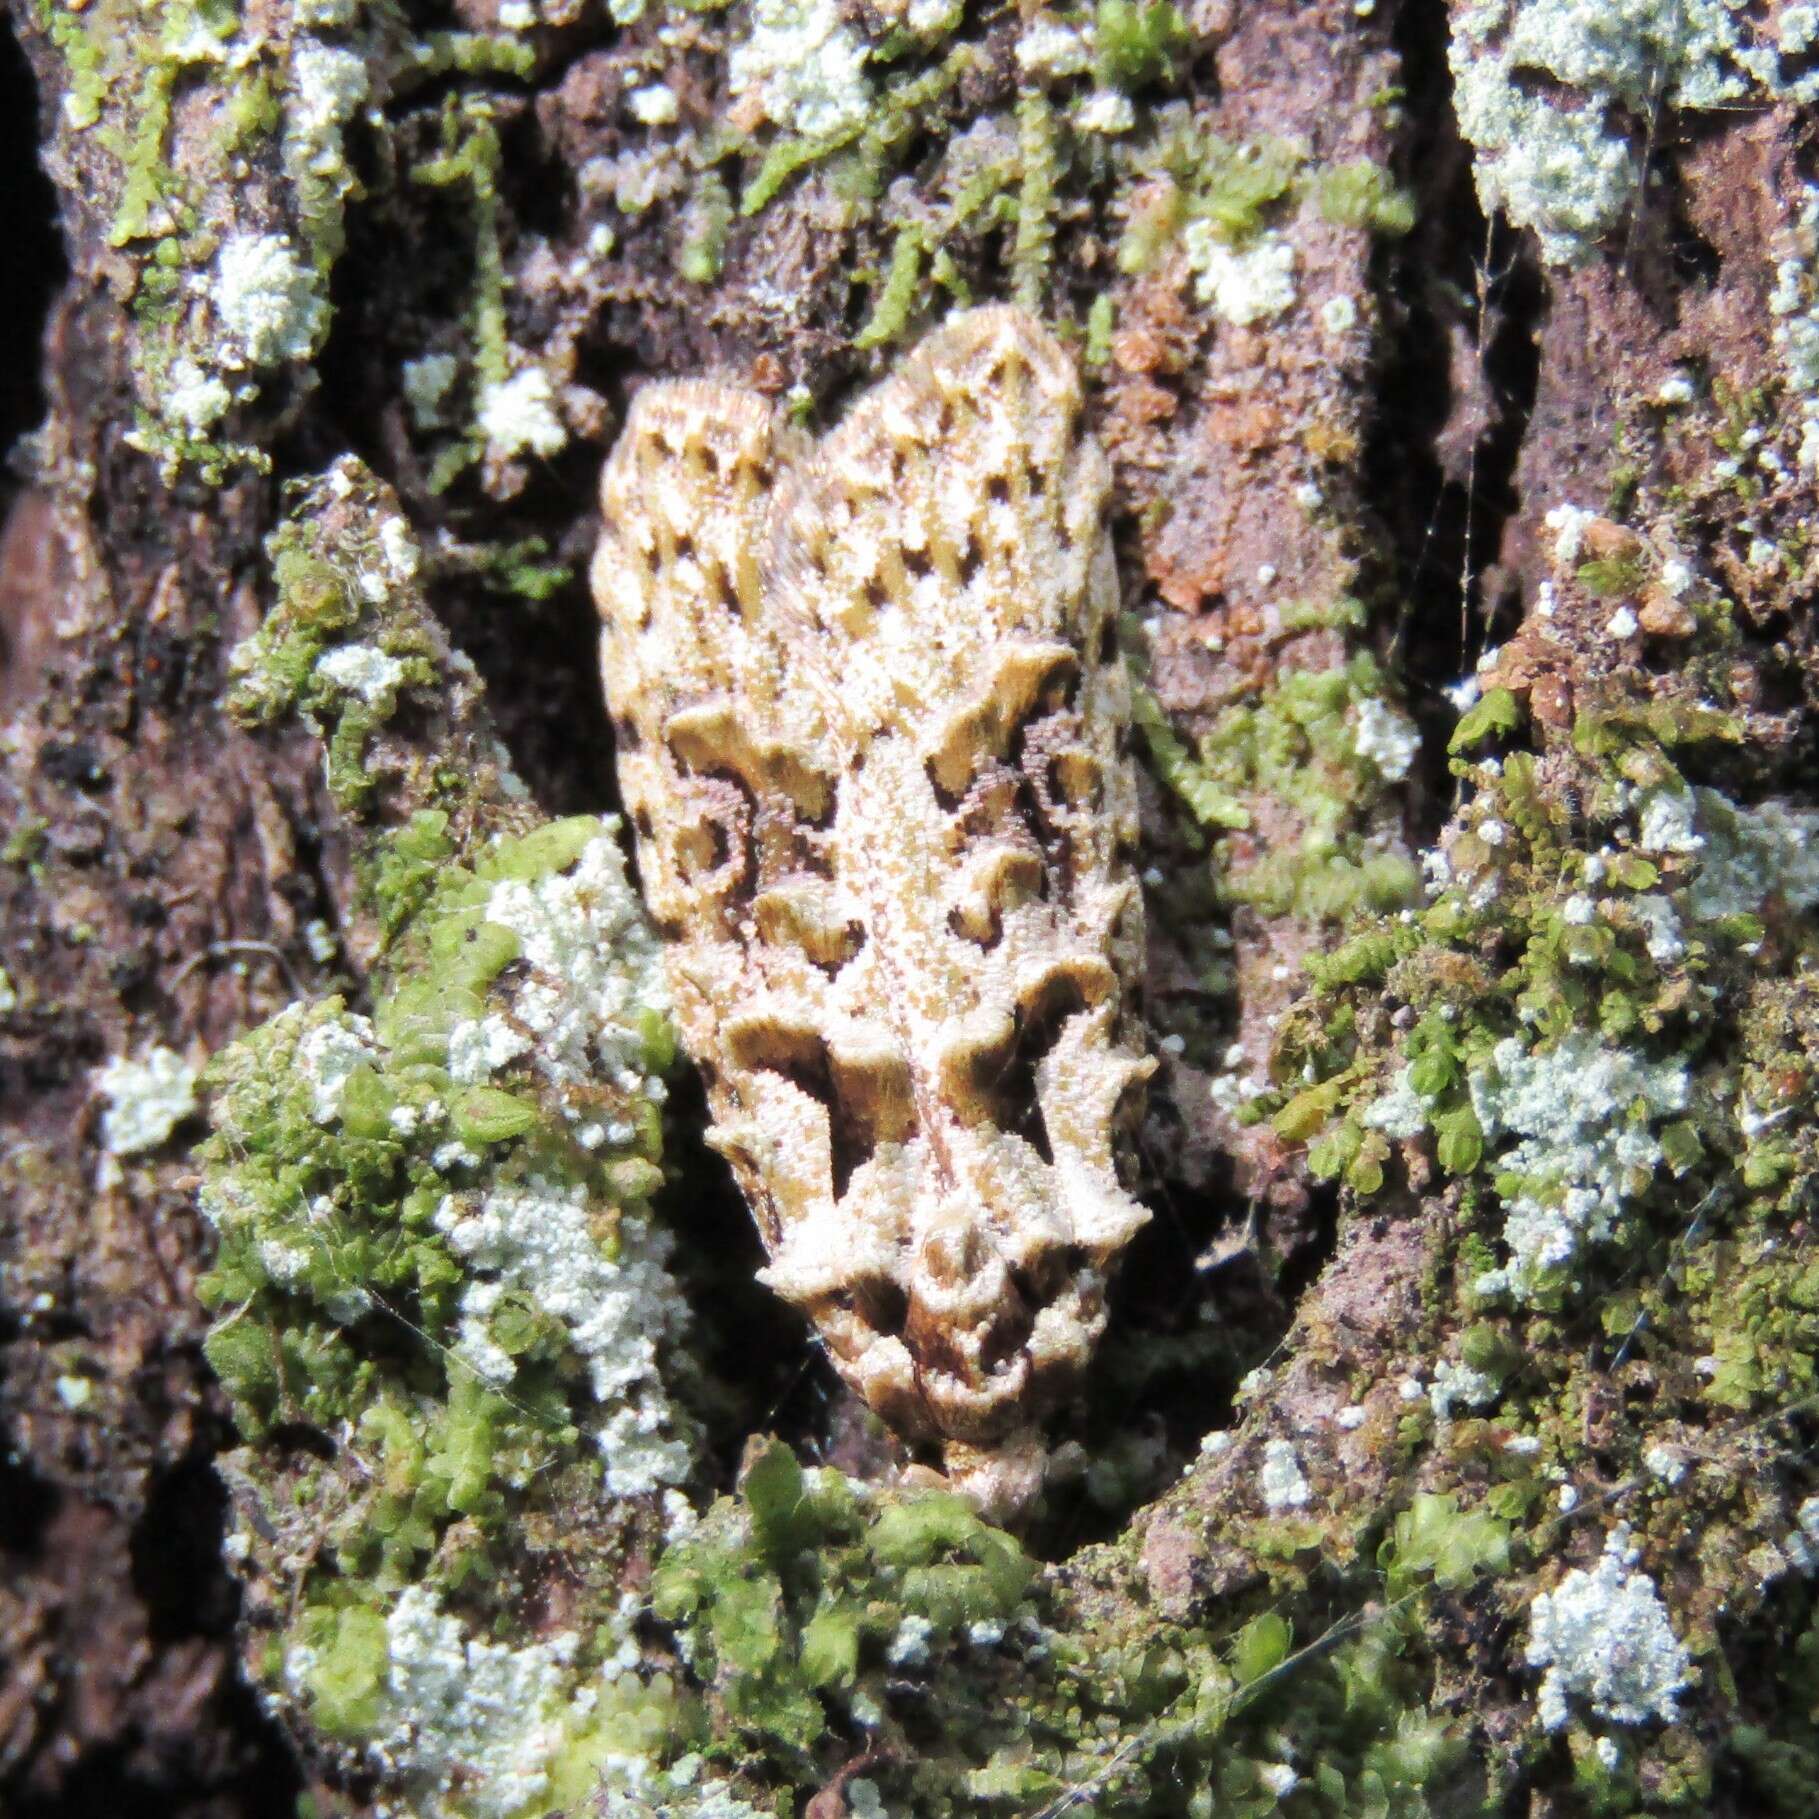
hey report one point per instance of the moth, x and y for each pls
(873, 738)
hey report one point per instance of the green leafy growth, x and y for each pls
(1364, 959)
(1434, 1542)
(469, 163)
(1296, 749)
(346, 1674)
(1234, 185)
(1498, 712)
(705, 228)
(783, 161)
(1612, 577)
(438, 54)
(1031, 248)
(897, 297)
(320, 607)
(1174, 765)
(1138, 43)
(1362, 194)
(790, 1597)
(1189, 174)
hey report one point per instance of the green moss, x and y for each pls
(1434, 1542)
(414, 1250)
(896, 298)
(1033, 245)
(1498, 712)
(709, 220)
(803, 1606)
(24, 845)
(346, 1675)
(1206, 800)
(1192, 174)
(1138, 42)
(469, 164)
(1296, 748)
(1363, 195)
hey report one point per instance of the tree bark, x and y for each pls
(1448, 1451)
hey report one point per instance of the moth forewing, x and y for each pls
(873, 738)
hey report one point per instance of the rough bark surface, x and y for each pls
(1474, 547)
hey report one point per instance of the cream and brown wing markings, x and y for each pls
(872, 737)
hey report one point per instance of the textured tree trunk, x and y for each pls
(1449, 1448)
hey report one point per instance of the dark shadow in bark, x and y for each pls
(1463, 300)
(26, 1506)
(35, 264)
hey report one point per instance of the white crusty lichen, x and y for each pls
(1583, 1113)
(1603, 1636)
(909, 1647)
(1243, 284)
(654, 104)
(471, 1726)
(1569, 523)
(268, 301)
(427, 382)
(1281, 1483)
(1562, 154)
(592, 975)
(1745, 855)
(1385, 737)
(328, 1054)
(193, 399)
(464, 1713)
(328, 86)
(1801, 1545)
(1400, 1111)
(1459, 1386)
(517, 416)
(608, 1283)
(147, 1096)
(1338, 315)
(362, 670)
(804, 66)
(1105, 110)
(1051, 47)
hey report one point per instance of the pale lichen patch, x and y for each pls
(1603, 1636)
(146, 1097)
(268, 301)
(1584, 1114)
(611, 1289)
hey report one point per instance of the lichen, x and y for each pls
(1585, 1115)
(1603, 1636)
(436, 1252)
(147, 1096)
(1566, 159)
(227, 198)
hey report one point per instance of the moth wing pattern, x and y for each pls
(873, 730)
